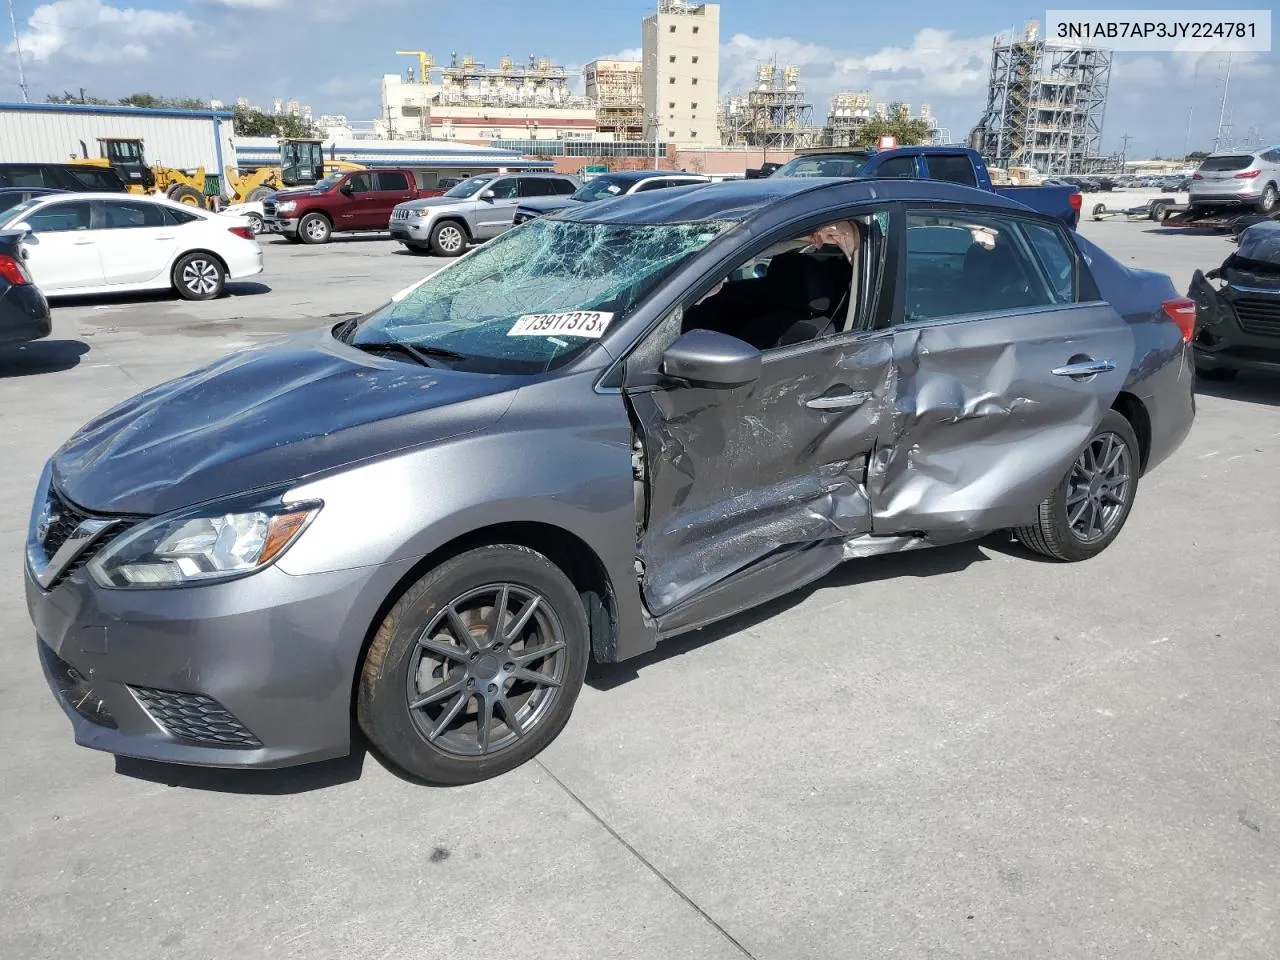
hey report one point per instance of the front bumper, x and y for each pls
(286, 225)
(417, 230)
(1237, 327)
(256, 672)
(24, 314)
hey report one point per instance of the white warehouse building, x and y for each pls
(57, 132)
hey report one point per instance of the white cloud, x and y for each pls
(93, 32)
(631, 53)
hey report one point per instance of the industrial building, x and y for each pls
(1045, 105)
(49, 132)
(682, 74)
(447, 159)
(469, 101)
(616, 87)
(775, 114)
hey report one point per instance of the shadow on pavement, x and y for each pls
(234, 288)
(914, 563)
(40, 356)
(279, 241)
(271, 783)
(1256, 388)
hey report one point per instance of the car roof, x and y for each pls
(635, 176)
(60, 195)
(742, 199)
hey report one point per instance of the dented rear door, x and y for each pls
(992, 405)
(734, 477)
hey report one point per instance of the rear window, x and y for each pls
(956, 168)
(1238, 161)
(97, 179)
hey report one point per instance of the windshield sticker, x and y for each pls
(613, 188)
(574, 323)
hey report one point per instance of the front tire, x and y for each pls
(199, 276)
(314, 228)
(448, 239)
(476, 667)
(1089, 507)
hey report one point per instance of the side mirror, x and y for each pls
(704, 358)
(347, 188)
(488, 195)
(21, 227)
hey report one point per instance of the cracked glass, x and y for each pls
(543, 267)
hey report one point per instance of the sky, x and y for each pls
(331, 54)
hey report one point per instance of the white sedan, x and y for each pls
(88, 243)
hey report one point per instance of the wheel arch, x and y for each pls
(454, 218)
(187, 253)
(573, 555)
(1135, 411)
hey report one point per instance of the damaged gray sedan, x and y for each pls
(602, 429)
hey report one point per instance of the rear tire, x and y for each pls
(314, 228)
(258, 193)
(438, 679)
(199, 276)
(1090, 505)
(256, 223)
(1268, 201)
(186, 195)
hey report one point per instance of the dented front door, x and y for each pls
(734, 476)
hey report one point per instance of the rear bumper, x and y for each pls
(1206, 198)
(24, 314)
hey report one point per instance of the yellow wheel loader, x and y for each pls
(125, 156)
(302, 163)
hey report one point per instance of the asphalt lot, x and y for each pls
(958, 753)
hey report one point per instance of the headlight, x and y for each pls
(416, 213)
(285, 206)
(200, 546)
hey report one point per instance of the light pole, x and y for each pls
(17, 46)
(1222, 110)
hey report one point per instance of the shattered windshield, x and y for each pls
(529, 300)
(467, 187)
(1259, 249)
(601, 188)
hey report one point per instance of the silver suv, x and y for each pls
(479, 208)
(1239, 178)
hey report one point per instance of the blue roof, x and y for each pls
(115, 110)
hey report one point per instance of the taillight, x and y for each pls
(1196, 176)
(1182, 312)
(1247, 175)
(13, 271)
(1075, 200)
(243, 232)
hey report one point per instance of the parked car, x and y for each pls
(1238, 307)
(62, 176)
(89, 243)
(345, 202)
(1175, 184)
(10, 197)
(24, 312)
(605, 187)
(566, 446)
(251, 210)
(951, 164)
(1244, 178)
(479, 208)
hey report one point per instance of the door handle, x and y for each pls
(168, 236)
(1085, 368)
(83, 243)
(838, 401)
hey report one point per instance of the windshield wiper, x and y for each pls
(427, 356)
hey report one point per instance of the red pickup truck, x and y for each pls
(350, 201)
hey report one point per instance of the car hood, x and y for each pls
(434, 202)
(293, 193)
(547, 204)
(270, 415)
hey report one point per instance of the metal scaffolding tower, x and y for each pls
(1045, 105)
(619, 100)
(541, 83)
(773, 115)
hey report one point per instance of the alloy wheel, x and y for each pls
(200, 277)
(487, 670)
(316, 229)
(1098, 487)
(450, 239)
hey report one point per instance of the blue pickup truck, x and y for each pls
(953, 164)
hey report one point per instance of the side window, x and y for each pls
(953, 168)
(1057, 258)
(361, 183)
(564, 188)
(60, 217)
(960, 264)
(23, 176)
(819, 283)
(393, 180)
(654, 184)
(535, 187)
(903, 168)
(504, 189)
(123, 215)
(177, 217)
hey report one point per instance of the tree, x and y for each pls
(150, 100)
(907, 131)
(250, 122)
(1196, 155)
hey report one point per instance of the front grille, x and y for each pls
(399, 214)
(65, 519)
(1259, 315)
(195, 718)
(76, 689)
(269, 208)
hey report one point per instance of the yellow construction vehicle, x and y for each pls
(125, 156)
(302, 163)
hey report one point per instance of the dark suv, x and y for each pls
(62, 176)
